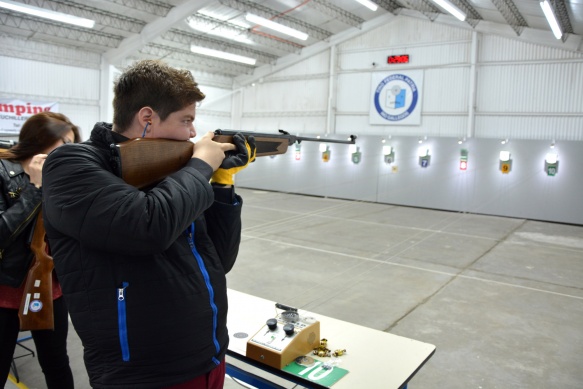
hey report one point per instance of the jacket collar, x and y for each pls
(12, 168)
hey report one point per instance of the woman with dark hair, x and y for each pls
(20, 201)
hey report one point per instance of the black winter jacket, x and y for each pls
(19, 205)
(148, 302)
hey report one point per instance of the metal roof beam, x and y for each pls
(426, 7)
(182, 37)
(289, 60)
(268, 13)
(216, 24)
(330, 9)
(152, 30)
(388, 5)
(511, 14)
(152, 7)
(101, 17)
(562, 16)
(215, 65)
(472, 16)
(35, 26)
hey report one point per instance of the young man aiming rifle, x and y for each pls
(143, 269)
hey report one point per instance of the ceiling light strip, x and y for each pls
(452, 9)
(47, 14)
(368, 4)
(551, 19)
(276, 26)
(222, 55)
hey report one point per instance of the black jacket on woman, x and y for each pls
(19, 205)
(148, 302)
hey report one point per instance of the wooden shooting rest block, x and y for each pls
(290, 336)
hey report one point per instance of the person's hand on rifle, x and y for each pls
(211, 152)
(236, 160)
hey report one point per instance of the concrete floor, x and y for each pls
(501, 298)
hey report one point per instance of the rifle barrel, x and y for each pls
(285, 135)
(350, 141)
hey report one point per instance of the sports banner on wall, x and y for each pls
(13, 113)
(396, 98)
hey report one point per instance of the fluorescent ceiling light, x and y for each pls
(47, 14)
(452, 9)
(222, 55)
(368, 4)
(551, 19)
(276, 26)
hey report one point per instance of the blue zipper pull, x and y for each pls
(122, 322)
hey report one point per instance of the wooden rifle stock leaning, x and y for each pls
(147, 161)
(36, 307)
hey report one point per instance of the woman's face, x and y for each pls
(68, 138)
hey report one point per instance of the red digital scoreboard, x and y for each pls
(403, 58)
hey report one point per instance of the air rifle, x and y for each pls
(6, 144)
(146, 161)
(36, 307)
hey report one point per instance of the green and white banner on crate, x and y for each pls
(396, 98)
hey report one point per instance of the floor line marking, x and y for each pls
(420, 268)
(19, 385)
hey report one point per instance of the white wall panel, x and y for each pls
(301, 95)
(551, 87)
(495, 48)
(431, 126)
(529, 127)
(353, 93)
(421, 56)
(18, 47)
(404, 31)
(48, 80)
(217, 99)
(446, 90)
(83, 116)
(319, 63)
(307, 126)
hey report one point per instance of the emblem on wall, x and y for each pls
(396, 98)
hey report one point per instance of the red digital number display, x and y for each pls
(404, 58)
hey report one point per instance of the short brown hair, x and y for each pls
(40, 131)
(154, 84)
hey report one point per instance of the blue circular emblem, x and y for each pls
(36, 305)
(400, 98)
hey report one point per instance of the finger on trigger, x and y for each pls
(228, 146)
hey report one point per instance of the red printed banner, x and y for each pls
(13, 113)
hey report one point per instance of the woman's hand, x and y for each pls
(35, 169)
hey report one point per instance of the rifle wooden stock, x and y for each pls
(36, 307)
(147, 161)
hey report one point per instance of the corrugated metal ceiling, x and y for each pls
(164, 29)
